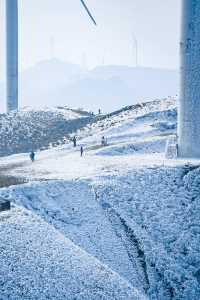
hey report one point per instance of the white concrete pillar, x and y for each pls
(12, 54)
(189, 104)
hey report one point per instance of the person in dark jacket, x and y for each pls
(74, 141)
(81, 150)
(103, 141)
(32, 156)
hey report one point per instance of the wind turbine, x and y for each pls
(12, 54)
(135, 49)
(189, 103)
(12, 68)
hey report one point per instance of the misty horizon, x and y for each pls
(65, 32)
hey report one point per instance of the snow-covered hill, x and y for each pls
(31, 129)
(123, 204)
(55, 83)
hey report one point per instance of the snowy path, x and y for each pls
(67, 165)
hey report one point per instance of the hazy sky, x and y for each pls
(62, 29)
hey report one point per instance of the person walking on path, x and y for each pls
(74, 141)
(103, 141)
(81, 150)
(32, 156)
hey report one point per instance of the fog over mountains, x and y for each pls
(54, 82)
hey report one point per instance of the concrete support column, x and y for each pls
(12, 54)
(189, 104)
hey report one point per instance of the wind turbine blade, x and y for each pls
(90, 15)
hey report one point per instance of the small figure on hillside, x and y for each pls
(81, 151)
(103, 141)
(99, 111)
(32, 156)
(74, 141)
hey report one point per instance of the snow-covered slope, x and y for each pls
(137, 128)
(73, 209)
(37, 262)
(125, 203)
(159, 208)
(31, 129)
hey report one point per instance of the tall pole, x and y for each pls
(12, 54)
(135, 48)
(52, 47)
(189, 104)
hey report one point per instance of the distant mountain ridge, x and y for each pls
(53, 83)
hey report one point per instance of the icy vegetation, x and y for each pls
(37, 262)
(121, 222)
(31, 129)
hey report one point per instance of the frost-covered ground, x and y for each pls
(124, 204)
(33, 129)
(37, 262)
